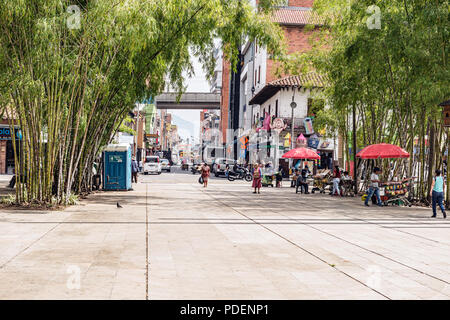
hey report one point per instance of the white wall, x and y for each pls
(284, 98)
(260, 61)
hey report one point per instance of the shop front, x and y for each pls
(7, 150)
(326, 150)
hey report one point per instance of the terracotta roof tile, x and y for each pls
(296, 16)
(309, 79)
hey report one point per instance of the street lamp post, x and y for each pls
(293, 106)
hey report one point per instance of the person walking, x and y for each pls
(279, 177)
(437, 193)
(374, 187)
(257, 178)
(134, 170)
(205, 174)
(336, 181)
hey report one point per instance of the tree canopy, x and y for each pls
(389, 59)
(70, 71)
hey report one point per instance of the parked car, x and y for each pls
(165, 165)
(219, 165)
(152, 165)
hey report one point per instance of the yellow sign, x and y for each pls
(287, 140)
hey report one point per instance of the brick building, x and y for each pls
(258, 70)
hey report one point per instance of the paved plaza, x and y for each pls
(175, 240)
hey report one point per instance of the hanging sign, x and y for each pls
(287, 140)
(313, 142)
(278, 125)
(308, 126)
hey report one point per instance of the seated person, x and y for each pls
(301, 181)
(237, 168)
(294, 178)
(346, 176)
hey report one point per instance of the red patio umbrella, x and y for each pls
(301, 153)
(382, 151)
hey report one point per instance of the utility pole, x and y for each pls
(293, 106)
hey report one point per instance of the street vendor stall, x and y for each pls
(301, 154)
(395, 192)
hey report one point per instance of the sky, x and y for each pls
(197, 83)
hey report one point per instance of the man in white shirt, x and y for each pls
(374, 187)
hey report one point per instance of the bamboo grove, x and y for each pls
(68, 79)
(394, 75)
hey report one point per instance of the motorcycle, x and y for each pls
(196, 169)
(242, 174)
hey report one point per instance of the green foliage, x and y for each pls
(8, 200)
(125, 128)
(77, 84)
(395, 75)
(402, 65)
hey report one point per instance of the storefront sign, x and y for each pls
(5, 134)
(326, 144)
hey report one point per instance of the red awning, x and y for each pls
(301, 153)
(382, 151)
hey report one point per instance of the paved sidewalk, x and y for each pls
(91, 251)
(223, 243)
(227, 243)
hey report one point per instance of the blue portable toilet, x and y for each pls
(117, 167)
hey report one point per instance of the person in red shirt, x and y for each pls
(336, 181)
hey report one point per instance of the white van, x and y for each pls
(152, 164)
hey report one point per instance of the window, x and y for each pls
(276, 108)
(256, 46)
(270, 110)
(256, 76)
(259, 74)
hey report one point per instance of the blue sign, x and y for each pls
(150, 100)
(313, 142)
(5, 133)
